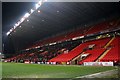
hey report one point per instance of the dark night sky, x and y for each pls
(11, 13)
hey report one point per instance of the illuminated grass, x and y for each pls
(14, 70)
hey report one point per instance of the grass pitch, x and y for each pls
(18, 70)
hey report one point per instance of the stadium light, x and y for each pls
(45, 0)
(37, 6)
(57, 11)
(27, 20)
(26, 15)
(14, 27)
(8, 33)
(43, 20)
(22, 19)
(38, 11)
(40, 2)
(31, 10)
(16, 24)
(11, 30)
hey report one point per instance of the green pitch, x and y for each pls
(17, 70)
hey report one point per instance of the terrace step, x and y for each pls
(102, 55)
(109, 42)
(106, 50)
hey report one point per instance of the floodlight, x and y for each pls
(26, 15)
(27, 20)
(31, 10)
(16, 24)
(10, 30)
(22, 19)
(40, 2)
(57, 11)
(8, 33)
(37, 6)
(43, 20)
(45, 0)
(38, 11)
(15, 27)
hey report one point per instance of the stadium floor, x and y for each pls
(19, 70)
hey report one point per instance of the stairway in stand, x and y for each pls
(107, 50)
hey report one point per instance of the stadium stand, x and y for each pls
(82, 31)
(65, 57)
(45, 53)
(93, 55)
(71, 48)
(103, 26)
(113, 54)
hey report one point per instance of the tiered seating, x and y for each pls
(58, 49)
(114, 24)
(53, 54)
(93, 55)
(63, 37)
(99, 43)
(65, 57)
(97, 28)
(107, 25)
(76, 33)
(16, 58)
(68, 56)
(45, 53)
(113, 54)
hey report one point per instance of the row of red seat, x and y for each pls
(44, 53)
(103, 26)
(93, 55)
(78, 50)
(113, 54)
(80, 32)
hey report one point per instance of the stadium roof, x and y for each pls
(56, 17)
